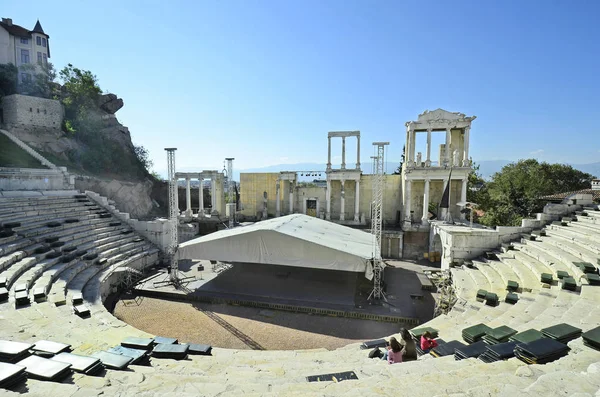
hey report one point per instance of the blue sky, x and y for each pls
(263, 81)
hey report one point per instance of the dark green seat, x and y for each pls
(527, 336)
(491, 299)
(481, 294)
(475, 332)
(562, 274)
(511, 298)
(569, 284)
(593, 279)
(586, 267)
(563, 332)
(512, 285)
(499, 335)
(490, 255)
(418, 332)
(546, 278)
(591, 338)
(337, 377)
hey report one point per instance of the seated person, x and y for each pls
(409, 348)
(427, 342)
(393, 354)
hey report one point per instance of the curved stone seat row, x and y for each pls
(13, 268)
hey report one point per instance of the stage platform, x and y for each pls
(297, 289)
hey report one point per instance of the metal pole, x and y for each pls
(231, 191)
(376, 220)
(173, 215)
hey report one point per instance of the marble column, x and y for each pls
(328, 153)
(343, 152)
(201, 197)
(425, 203)
(358, 152)
(357, 201)
(188, 198)
(463, 194)
(343, 202)
(466, 147)
(277, 199)
(213, 194)
(444, 211)
(328, 201)
(291, 197)
(410, 148)
(447, 148)
(428, 160)
(407, 201)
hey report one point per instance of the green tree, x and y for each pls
(514, 192)
(141, 153)
(42, 82)
(399, 169)
(80, 92)
(8, 79)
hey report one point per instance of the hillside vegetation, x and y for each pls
(13, 156)
(91, 142)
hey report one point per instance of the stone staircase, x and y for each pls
(231, 372)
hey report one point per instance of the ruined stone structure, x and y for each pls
(216, 191)
(28, 111)
(423, 180)
(345, 199)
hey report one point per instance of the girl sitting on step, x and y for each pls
(427, 342)
(393, 354)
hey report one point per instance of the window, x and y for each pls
(24, 56)
(43, 42)
(38, 40)
(39, 58)
(45, 59)
(24, 40)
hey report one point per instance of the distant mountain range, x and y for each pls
(487, 168)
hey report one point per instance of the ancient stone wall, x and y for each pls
(23, 110)
(131, 197)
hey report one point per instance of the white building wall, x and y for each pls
(6, 55)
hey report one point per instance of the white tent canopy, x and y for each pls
(293, 240)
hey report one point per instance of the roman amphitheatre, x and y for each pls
(293, 291)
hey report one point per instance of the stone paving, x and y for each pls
(234, 372)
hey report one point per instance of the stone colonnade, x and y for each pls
(215, 177)
(426, 196)
(411, 141)
(343, 135)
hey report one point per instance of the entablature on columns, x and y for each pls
(440, 120)
(436, 174)
(206, 174)
(344, 175)
(454, 152)
(342, 134)
(288, 176)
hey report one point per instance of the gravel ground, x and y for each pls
(244, 327)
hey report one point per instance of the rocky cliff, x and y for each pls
(102, 156)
